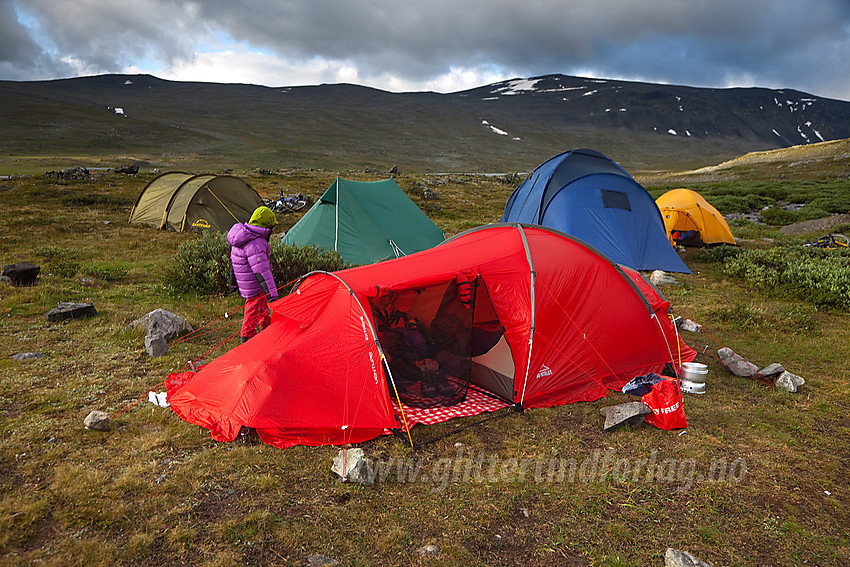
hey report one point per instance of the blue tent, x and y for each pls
(587, 195)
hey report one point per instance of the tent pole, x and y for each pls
(336, 220)
(533, 277)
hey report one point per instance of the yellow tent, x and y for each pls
(691, 221)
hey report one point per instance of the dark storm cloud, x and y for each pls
(775, 43)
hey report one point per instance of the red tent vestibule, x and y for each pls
(521, 314)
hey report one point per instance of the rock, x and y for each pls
(736, 365)
(21, 356)
(690, 326)
(629, 412)
(77, 173)
(772, 370)
(161, 322)
(67, 310)
(319, 560)
(429, 194)
(789, 382)
(429, 550)
(131, 169)
(352, 466)
(98, 421)
(156, 345)
(22, 273)
(394, 169)
(660, 277)
(676, 558)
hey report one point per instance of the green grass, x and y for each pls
(158, 491)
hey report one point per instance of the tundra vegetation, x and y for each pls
(759, 478)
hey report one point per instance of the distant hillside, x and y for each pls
(508, 126)
(822, 161)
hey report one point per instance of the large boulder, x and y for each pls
(736, 364)
(67, 310)
(163, 323)
(98, 421)
(22, 273)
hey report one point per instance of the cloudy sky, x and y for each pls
(434, 45)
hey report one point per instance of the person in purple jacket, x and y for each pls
(250, 255)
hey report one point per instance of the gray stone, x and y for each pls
(21, 356)
(429, 550)
(736, 365)
(789, 382)
(660, 277)
(629, 412)
(98, 421)
(156, 345)
(319, 560)
(352, 466)
(22, 273)
(676, 558)
(772, 370)
(690, 326)
(162, 322)
(67, 310)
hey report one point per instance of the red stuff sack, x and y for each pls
(668, 407)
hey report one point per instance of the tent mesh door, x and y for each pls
(427, 337)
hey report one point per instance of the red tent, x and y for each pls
(523, 314)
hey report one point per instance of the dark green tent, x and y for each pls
(366, 222)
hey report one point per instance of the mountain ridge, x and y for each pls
(510, 125)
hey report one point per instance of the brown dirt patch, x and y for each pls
(823, 225)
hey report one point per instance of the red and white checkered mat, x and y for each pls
(475, 403)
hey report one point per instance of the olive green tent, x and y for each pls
(182, 201)
(366, 222)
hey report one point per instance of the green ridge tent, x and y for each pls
(366, 222)
(182, 201)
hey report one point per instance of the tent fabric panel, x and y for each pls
(323, 378)
(220, 203)
(579, 352)
(635, 238)
(397, 216)
(181, 198)
(154, 198)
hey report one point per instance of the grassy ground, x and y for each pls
(758, 479)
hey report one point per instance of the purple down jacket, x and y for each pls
(250, 254)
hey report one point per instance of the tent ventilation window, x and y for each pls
(616, 199)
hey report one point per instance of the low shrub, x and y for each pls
(819, 276)
(63, 268)
(717, 253)
(202, 266)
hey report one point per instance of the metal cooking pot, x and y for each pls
(693, 372)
